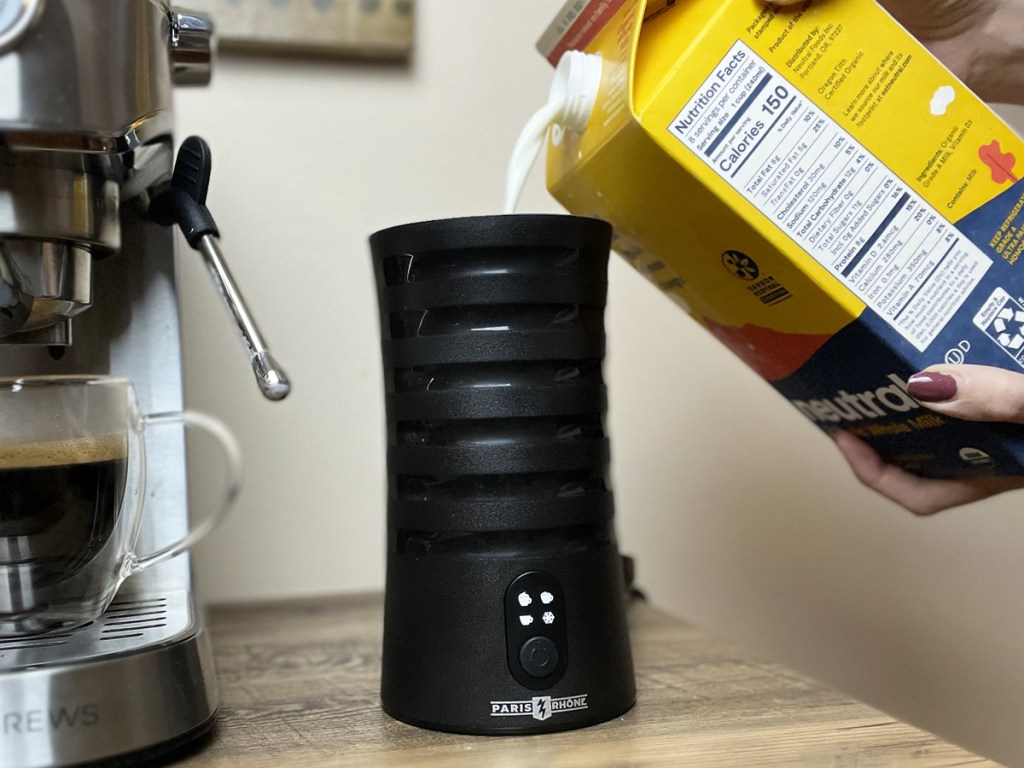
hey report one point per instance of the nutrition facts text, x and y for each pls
(853, 215)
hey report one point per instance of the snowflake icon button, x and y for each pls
(548, 617)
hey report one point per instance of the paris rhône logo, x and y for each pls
(539, 707)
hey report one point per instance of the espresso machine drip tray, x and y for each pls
(136, 683)
(130, 623)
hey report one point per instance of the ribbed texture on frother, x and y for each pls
(492, 357)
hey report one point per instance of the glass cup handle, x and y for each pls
(232, 483)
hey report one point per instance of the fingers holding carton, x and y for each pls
(979, 40)
(920, 495)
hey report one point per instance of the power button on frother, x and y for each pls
(538, 657)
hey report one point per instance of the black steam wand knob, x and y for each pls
(184, 204)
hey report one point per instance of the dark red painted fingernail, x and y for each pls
(931, 387)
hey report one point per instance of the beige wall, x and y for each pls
(742, 516)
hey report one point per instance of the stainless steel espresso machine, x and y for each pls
(89, 284)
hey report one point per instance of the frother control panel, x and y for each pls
(535, 630)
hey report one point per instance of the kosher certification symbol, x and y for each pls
(740, 265)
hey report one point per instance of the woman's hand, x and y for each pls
(981, 41)
(971, 392)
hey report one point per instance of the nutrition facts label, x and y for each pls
(853, 215)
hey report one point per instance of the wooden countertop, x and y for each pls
(299, 687)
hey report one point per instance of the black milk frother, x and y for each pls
(504, 603)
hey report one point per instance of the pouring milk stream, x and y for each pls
(570, 103)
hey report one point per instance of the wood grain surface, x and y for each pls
(299, 687)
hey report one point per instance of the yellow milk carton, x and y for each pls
(820, 193)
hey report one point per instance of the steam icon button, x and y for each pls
(538, 656)
(524, 599)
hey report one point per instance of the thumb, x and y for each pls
(972, 392)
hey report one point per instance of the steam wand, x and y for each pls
(184, 204)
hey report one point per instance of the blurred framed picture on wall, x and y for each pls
(363, 28)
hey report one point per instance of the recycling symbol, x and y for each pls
(1009, 327)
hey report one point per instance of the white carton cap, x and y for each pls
(576, 83)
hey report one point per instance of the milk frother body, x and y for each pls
(504, 605)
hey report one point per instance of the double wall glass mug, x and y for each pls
(72, 490)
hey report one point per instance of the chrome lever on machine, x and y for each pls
(184, 204)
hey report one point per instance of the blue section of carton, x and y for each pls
(995, 226)
(856, 381)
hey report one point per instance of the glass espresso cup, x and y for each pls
(72, 485)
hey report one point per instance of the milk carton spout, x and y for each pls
(570, 103)
(576, 83)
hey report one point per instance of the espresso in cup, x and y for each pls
(72, 493)
(59, 501)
